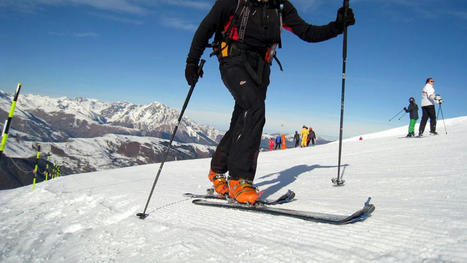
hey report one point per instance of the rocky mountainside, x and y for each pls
(84, 135)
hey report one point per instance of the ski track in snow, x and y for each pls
(417, 185)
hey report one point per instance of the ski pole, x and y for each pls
(143, 215)
(6, 127)
(338, 180)
(401, 116)
(442, 115)
(396, 115)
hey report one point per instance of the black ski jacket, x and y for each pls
(412, 110)
(262, 29)
(312, 134)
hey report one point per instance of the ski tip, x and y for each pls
(142, 215)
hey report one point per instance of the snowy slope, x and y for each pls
(419, 187)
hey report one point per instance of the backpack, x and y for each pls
(234, 30)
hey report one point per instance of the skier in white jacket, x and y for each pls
(428, 107)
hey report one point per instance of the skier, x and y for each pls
(246, 35)
(304, 133)
(296, 138)
(312, 135)
(428, 107)
(278, 142)
(283, 142)
(271, 144)
(413, 111)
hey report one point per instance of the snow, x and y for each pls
(418, 185)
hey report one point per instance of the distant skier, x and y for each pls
(412, 109)
(283, 142)
(278, 142)
(304, 133)
(428, 107)
(296, 138)
(271, 144)
(312, 136)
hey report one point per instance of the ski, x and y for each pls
(285, 198)
(336, 219)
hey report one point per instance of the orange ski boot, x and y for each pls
(219, 182)
(243, 191)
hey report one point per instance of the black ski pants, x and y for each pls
(238, 150)
(428, 112)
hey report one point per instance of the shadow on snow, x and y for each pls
(287, 177)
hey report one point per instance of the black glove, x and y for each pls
(405, 108)
(191, 73)
(349, 19)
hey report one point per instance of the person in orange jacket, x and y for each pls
(284, 142)
(304, 134)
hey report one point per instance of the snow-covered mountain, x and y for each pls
(88, 118)
(86, 134)
(418, 185)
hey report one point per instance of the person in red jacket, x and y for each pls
(247, 33)
(271, 144)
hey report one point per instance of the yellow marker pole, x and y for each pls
(47, 167)
(6, 127)
(36, 167)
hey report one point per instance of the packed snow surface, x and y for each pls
(418, 185)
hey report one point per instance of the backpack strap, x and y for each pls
(221, 45)
(245, 14)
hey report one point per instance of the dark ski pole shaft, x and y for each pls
(338, 180)
(143, 215)
(396, 115)
(7, 125)
(402, 116)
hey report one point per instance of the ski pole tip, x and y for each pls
(142, 215)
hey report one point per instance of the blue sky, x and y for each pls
(135, 50)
